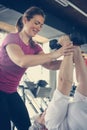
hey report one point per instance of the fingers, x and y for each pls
(68, 50)
(64, 40)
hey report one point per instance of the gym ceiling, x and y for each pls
(62, 16)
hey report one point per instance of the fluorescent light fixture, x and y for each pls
(62, 2)
(78, 9)
(65, 3)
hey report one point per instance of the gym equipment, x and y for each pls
(72, 92)
(76, 38)
(53, 44)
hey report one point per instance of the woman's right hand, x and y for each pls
(63, 51)
(67, 47)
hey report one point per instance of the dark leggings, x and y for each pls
(12, 108)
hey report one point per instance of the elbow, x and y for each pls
(20, 61)
(64, 80)
(64, 83)
(21, 64)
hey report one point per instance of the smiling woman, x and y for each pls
(10, 28)
(18, 53)
(14, 43)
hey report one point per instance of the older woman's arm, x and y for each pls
(81, 72)
(57, 109)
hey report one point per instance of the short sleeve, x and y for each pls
(10, 38)
(79, 97)
(36, 126)
(56, 111)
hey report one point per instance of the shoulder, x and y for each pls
(12, 35)
(11, 38)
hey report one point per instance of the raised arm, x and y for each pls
(57, 108)
(16, 54)
(65, 77)
(81, 71)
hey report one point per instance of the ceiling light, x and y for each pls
(78, 9)
(65, 3)
(62, 2)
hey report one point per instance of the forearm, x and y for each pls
(53, 65)
(66, 75)
(81, 68)
(81, 72)
(34, 60)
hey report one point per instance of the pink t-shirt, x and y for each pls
(10, 73)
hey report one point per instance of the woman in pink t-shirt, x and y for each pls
(18, 52)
